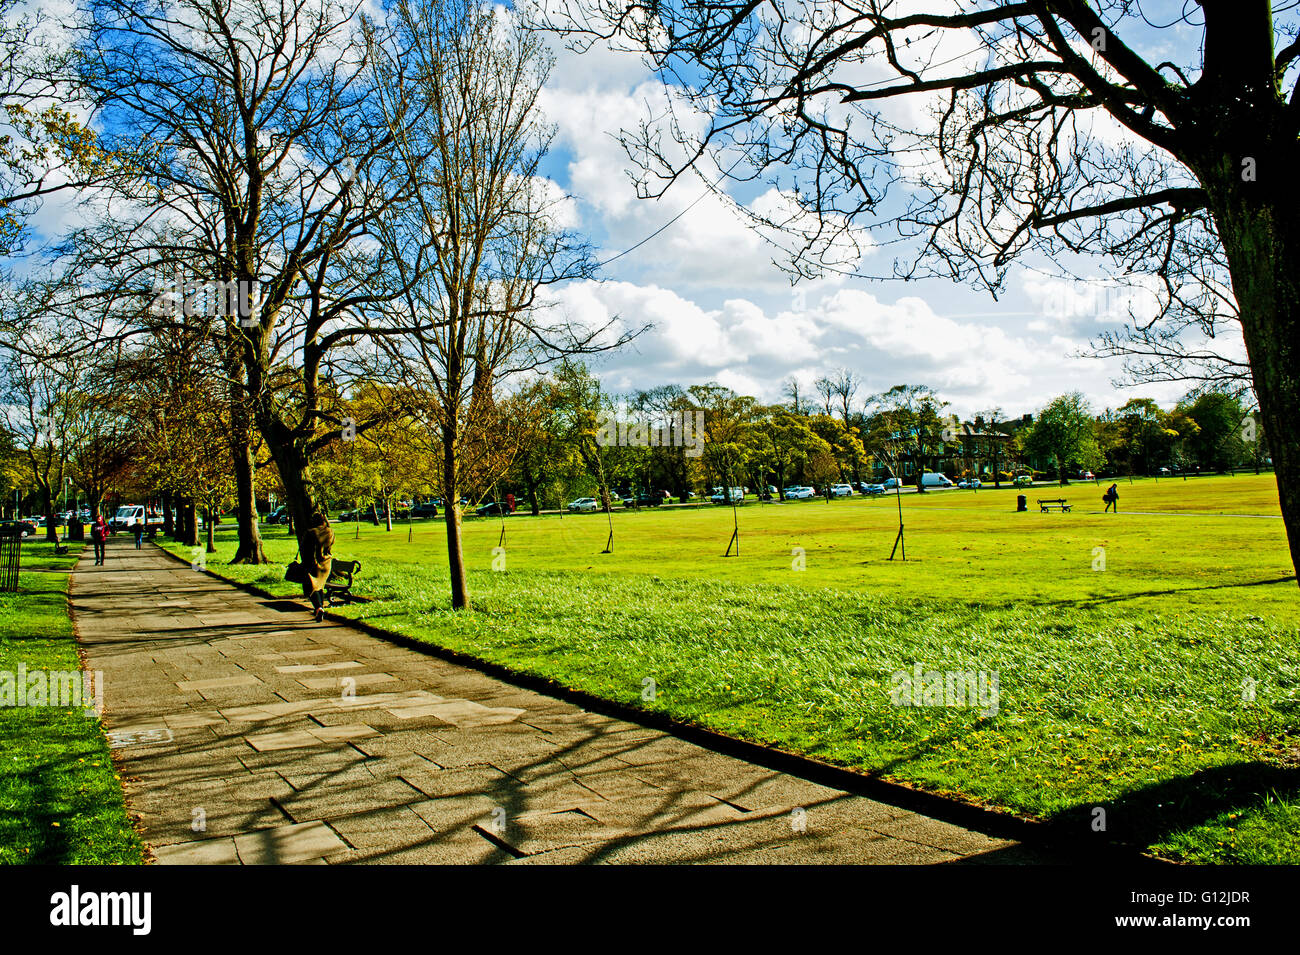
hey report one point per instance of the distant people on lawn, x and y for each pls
(98, 536)
(1111, 497)
(317, 563)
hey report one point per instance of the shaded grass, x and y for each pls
(1125, 689)
(60, 798)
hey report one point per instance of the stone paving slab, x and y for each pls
(246, 733)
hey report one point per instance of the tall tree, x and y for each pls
(258, 166)
(1064, 432)
(460, 89)
(1054, 127)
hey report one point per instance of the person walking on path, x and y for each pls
(1111, 497)
(139, 534)
(317, 563)
(98, 536)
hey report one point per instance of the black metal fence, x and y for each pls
(11, 550)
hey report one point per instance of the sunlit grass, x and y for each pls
(1162, 688)
(60, 798)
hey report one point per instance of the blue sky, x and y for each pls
(722, 311)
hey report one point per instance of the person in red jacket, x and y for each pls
(98, 536)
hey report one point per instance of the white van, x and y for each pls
(932, 479)
(131, 516)
(732, 495)
(127, 516)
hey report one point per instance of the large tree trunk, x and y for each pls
(1260, 229)
(250, 549)
(210, 514)
(299, 495)
(51, 528)
(1246, 159)
(189, 520)
(455, 552)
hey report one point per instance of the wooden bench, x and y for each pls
(1045, 506)
(339, 584)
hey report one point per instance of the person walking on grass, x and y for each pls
(1111, 497)
(317, 563)
(99, 536)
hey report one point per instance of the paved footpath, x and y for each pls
(248, 733)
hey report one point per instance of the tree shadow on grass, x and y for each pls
(1146, 816)
(1088, 603)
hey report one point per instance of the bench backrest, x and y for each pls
(344, 568)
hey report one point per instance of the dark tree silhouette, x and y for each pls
(1051, 133)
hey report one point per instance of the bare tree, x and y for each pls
(38, 383)
(1051, 134)
(844, 387)
(467, 78)
(792, 390)
(825, 388)
(259, 164)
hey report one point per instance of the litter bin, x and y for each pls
(1022, 503)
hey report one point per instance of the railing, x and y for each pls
(11, 549)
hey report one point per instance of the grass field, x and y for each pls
(60, 799)
(1156, 678)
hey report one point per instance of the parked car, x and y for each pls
(583, 504)
(728, 495)
(278, 516)
(970, 484)
(891, 483)
(798, 492)
(492, 509)
(1022, 480)
(425, 510)
(25, 528)
(128, 516)
(934, 479)
(645, 499)
(841, 490)
(873, 489)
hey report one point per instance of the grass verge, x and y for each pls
(60, 799)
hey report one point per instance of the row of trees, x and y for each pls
(1208, 430)
(153, 426)
(356, 200)
(295, 204)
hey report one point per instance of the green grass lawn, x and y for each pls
(60, 798)
(1127, 688)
